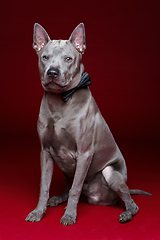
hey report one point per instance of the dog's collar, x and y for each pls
(84, 82)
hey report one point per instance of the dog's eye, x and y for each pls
(45, 57)
(68, 59)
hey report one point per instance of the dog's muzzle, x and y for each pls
(53, 73)
(53, 79)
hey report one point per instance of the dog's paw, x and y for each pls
(132, 210)
(54, 201)
(125, 217)
(34, 216)
(68, 220)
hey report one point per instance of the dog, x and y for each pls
(74, 134)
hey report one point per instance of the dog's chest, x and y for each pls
(57, 135)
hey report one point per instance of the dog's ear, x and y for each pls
(40, 37)
(77, 38)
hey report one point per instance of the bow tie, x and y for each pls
(84, 82)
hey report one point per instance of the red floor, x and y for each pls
(19, 187)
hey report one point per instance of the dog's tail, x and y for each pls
(139, 192)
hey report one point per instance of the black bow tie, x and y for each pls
(85, 81)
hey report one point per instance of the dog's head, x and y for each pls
(60, 64)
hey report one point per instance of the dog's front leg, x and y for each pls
(46, 176)
(82, 167)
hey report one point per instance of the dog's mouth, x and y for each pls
(54, 85)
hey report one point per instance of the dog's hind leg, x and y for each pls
(56, 200)
(116, 182)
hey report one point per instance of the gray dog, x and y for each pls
(74, 134)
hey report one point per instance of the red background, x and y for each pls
(122, 58)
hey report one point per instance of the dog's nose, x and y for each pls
(53, 73)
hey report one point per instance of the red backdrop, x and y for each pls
(122, 58)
